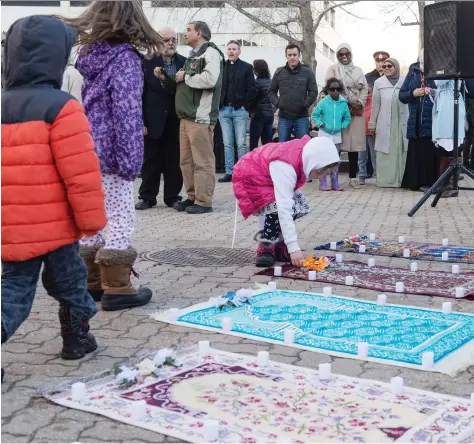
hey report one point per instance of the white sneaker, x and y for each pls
(361, 180)
(354, 183)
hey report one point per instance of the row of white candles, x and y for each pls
(401, 240)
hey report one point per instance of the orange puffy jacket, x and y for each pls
(51, 184)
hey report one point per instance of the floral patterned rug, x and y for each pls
(396, 334)
(418, 250)
(384, 279)
(271, 403)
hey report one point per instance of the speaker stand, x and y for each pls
(453, 170)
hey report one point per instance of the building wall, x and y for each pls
(225, 24)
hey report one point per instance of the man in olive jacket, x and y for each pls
(297, 88)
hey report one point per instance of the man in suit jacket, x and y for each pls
(238, 94)
(161, 129)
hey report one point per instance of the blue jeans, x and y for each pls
(234, 131)
(260, 127)
(64, 278)
(364, 155)
(300, 128)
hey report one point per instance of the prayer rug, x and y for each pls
(396, 334)
(418, 251)
(275, 403)
(380, 278)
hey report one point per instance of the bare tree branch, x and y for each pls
(321, 15)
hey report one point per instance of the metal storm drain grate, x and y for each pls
(203, 257)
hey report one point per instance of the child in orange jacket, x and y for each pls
(51, 184)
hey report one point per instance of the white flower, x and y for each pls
(221, 302)
(146, 367)
(242, 297)
(163, 355)
(126, 375)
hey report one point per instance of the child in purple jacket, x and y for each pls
(110, 34)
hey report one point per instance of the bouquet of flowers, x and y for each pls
(354, 240)
(318, 265)
(235, 299)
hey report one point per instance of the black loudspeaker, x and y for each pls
(448, 40)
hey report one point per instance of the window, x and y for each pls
(326, 50)
(333, 55)
(30, 3)
(330, 16)
(80, 3)
(187, 4)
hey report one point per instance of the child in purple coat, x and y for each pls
(110, 34)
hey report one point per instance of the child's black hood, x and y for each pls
(37, 50)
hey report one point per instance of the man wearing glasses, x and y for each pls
(161, 129)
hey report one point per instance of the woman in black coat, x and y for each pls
(261, 124)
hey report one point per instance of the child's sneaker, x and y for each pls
(265, 256)
(281, 253)
(77, 341)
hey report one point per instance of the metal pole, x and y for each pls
(456, 132)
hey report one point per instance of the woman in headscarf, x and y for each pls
(422, 163)
(389, 123)
(355, 92)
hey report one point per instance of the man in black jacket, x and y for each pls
(379, 58)
(297, 88)
(161, 130)
(237, 97)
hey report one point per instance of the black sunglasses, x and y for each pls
(335, 89)
(387, 66)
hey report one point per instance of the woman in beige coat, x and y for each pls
(355, 92)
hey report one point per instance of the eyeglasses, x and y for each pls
(344, 54)
(335, 89)
(387, 66)
(171, 39)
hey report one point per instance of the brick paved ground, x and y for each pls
(30, 357)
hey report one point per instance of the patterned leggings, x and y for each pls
(271, 227)
(120, 210)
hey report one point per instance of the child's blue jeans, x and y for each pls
(64, 278)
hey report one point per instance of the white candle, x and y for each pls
(444, 256)
(324, 371)
(327, 291)
(471, 404)
(289, 336)
(455, 269)
(363, 349)
(445, 242)
(262, 358)
(406, 252)
(277, 271)
(447, 307)
(312, 275)
(204, 348)
(459, 292)
(210, 431)
(414, 266)
(399, 287)
(372, 236)
(381, 299)
(226, 324)
(333, 245)
(427, 360)
(401, 239)
(349, 280)
(371, 262)
(272, 285)
(339, 258)
(138, 408)
(173, 314)
(78, 391)
(397, 385)
(361, 248)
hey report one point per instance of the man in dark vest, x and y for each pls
(161, 129)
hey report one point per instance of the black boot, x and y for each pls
(77, 341)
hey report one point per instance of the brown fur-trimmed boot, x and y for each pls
(94, 285)
(116, 268)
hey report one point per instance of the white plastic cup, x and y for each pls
(455, 269)
(333, 246)
(414, 266)
(371, 262)
(173, 314)
(460, 292)
(338, 258)
(327, 291)
(361, 248)
(289, 336)
(277, 270)
(78, 391)
(210, 431)
(427, 360)
(444, 256)
(381, 299)
(226, 324)
(445, 242)
(363, 349)
(399, 287)
(372, 236)
(398, 386)
(406, 252)
(401, 239)
(204, 348)
(272, 285)
(138, 408)
(312, 275)
(349, 280)
(263, 358)
(325, 371)
(447, 307)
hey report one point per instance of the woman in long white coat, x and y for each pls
(389, 122)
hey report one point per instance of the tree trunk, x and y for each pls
(308, 44)
(421, 7)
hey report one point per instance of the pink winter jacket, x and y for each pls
(253, 185)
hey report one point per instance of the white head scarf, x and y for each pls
(318, 153)
(350, 66)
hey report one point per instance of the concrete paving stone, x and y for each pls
(7, 438)
(62, 430)
(15, 400)
(347, 367)
(115, 431)
(29, 420)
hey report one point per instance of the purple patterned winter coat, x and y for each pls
(112, 98)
